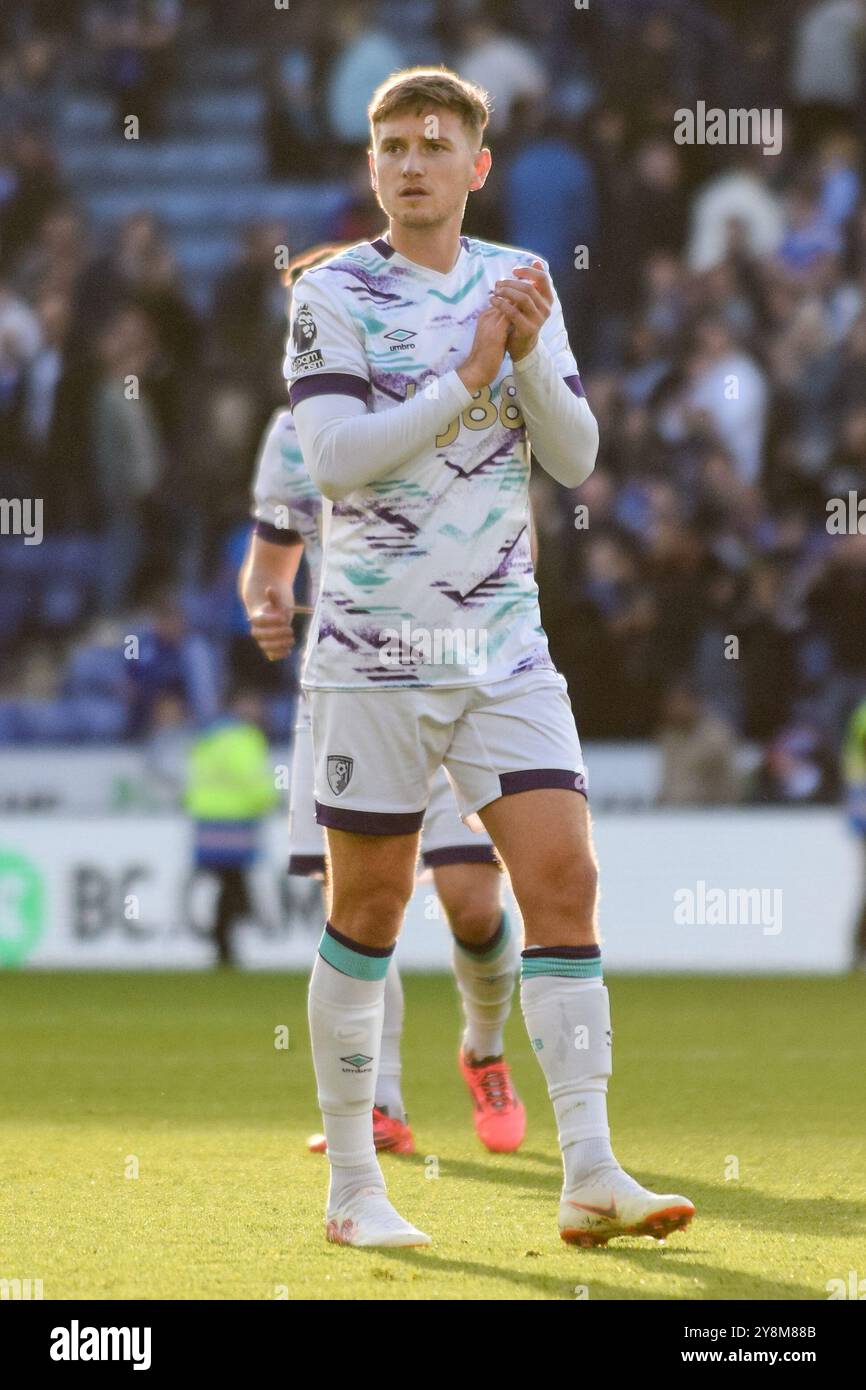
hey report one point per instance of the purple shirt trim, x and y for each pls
(575, 385)
(383, 247)
(330, 384)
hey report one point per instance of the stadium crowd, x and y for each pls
(716, 302)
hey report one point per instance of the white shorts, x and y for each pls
(445, 838)
(377, 751)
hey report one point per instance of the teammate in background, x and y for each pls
(421, 365)
(854, 774)
(466, 872)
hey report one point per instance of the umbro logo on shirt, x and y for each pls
(400, 340)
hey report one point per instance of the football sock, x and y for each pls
(486, 976)
(567, 1014)
(346, 1005)
(389, 1095)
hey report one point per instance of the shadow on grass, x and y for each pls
(590, 1268)
(758, 1210)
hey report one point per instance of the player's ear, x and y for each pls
(481, 169)
(371, 161)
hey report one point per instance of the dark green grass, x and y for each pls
(179, 1075)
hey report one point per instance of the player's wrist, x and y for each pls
(528, 356)
(472, 378)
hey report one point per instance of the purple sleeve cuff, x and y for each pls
(328, 384)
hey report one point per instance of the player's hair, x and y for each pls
(413, 89)
(305, 260)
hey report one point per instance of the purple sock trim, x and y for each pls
(563, 952)
(483, 948)
(377, 952)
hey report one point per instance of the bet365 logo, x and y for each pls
(22, 908)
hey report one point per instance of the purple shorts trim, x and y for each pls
(538, 777)
(277, 535)
(460, 854)
(304, 865)
(330, 384)
(369, 822)
(575, 385)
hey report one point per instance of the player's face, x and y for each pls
(423, 166)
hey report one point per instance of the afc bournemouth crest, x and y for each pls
(339, 773)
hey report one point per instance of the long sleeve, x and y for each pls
(562, 429)
(347, 447)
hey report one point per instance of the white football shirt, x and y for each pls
(427, 576)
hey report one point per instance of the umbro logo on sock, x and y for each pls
(357, 1062)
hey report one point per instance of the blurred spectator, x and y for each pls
(736, 207)
(768, 653)
(729, 388)
(126, 448)
(836, 607)
(827, 64)
(56, 255)
(29, 84)
(698, 753)
(172, 659)
(502, 63)
(366, 54)
(295, 127)
(562, 213)
(19, 344)
(45, 371)
(796, 769)
(136, 39)
(249, 313)
(36, 187)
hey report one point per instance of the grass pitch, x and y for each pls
(152, 1145)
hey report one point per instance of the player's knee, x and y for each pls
(563, 886)
(372, 913)
(475, 919)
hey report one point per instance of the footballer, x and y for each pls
(422, 365)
